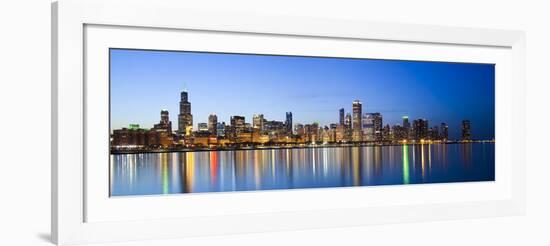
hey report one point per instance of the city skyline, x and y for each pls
(308, 104)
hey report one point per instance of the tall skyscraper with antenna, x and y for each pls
(185, 118)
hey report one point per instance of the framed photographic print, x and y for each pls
(263, 122)
(172, 123)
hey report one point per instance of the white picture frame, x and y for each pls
(81, 213)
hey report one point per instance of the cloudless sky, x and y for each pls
(143, 82)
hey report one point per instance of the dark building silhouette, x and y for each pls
(288, 122)
(434, 133)
(406, 123)
(420, 129)
(341, 116)
(444, 132)
(466, 130)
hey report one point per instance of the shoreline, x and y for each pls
(309, 146)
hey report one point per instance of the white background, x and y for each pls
(25, 121)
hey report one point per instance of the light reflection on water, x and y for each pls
(241, 170)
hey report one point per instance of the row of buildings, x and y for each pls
(354, 127)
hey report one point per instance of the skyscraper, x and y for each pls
(258, 122)
(357, 113)
(165, 124)
(434, 133)
(341, 116)
(164, 118)
(220, 129)
(288, 123)
(466, 130)
(406, 122)
(444, 132)
(378, 125)
(368, 127)
(406, 127)
(347, 127)
(347, 121)
(185, 118)
(237, 124)
(420, 129)
(212, 124)
(357, 109)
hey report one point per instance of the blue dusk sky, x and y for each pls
(313, 88)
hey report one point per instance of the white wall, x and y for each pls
(25, 118)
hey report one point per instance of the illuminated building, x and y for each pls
(357, 109)
(347, 120)
(332, 132)
(374, 126)
(132, 137)
(165, 122)
(340, 133)
(203, 127)
(368, 127)
(399, 132)
(444, 132)
(213, 124)
(347, 126)
(386, 133)
(406, 123)
(420, 129)
(378, 123)
(237, 124)
(220, 129)
(152, 138)
(341, 116)
(288, 123)
(204, 139)
(185, 118)
(314, 132)
(258, 121)
(165, 139)
(406, 127)
(307, 133)
(325, 135)
(274, 128)
(466, 130)
(299, 129)
(164, 130)
(244, 137)
(136, 138)
(247, 127)
(256, 134)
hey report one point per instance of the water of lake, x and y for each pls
(243, 170)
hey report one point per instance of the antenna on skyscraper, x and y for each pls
(184, 86)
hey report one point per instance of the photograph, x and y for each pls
(195, 122)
